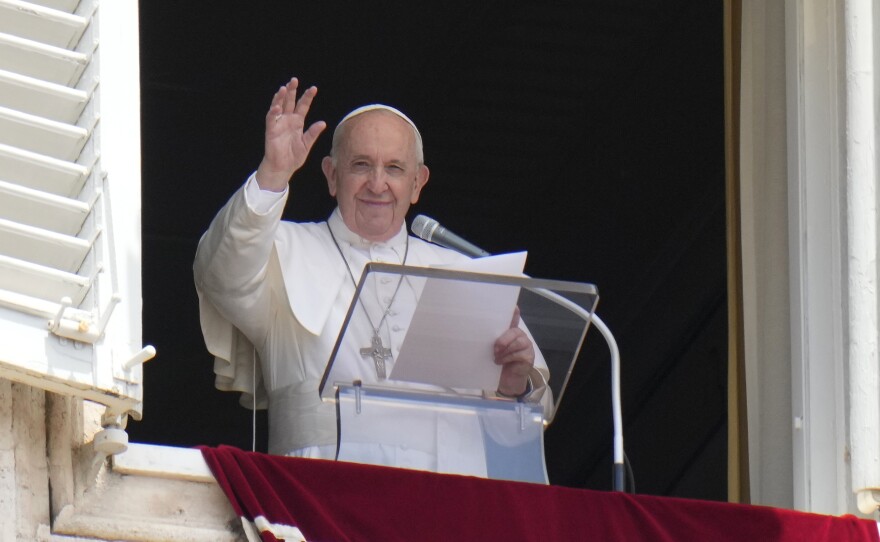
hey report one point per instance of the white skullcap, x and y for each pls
(380, 107)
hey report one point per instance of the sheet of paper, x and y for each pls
(451, 338)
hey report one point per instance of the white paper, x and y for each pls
(450, 341)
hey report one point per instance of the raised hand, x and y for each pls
(287, 143)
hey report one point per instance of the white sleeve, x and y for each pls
(232, 261)
(261, 201)
(230, 266)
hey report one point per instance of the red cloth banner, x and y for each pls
(330, 501)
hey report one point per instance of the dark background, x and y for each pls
(588, 132)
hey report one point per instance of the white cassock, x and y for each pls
(277, 292)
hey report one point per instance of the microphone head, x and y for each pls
(423, 227)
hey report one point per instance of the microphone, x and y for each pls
(430, 230)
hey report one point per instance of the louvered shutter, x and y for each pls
(70, 285)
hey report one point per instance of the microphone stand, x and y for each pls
(425, 230)
(618, 469)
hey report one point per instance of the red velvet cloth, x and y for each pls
(338, 501)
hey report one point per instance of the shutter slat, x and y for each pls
(67, 6)
(41, 209)
(46, 62)
(42, 136)
(41, 282)
(41, 172)
(41, 23)
(41, 98)
(43, 247)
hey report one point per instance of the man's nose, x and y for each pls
(377, 181)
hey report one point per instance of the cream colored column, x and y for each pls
(861, 179)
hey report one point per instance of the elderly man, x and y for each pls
(273, 294)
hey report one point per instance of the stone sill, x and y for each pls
(163, 462)
(150, 493)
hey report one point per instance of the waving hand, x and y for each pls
(288, 143)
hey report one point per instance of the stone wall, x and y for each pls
(55, 487)
(24, 473)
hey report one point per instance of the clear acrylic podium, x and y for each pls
(413, 377)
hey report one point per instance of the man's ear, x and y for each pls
(420, 181)
(330, 174)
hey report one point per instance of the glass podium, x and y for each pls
(413, 376)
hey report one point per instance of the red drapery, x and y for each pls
(337, 501)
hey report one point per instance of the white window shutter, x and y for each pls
(70, 259)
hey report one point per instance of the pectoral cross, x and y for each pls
(379, 354)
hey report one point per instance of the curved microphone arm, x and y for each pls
(618, 469)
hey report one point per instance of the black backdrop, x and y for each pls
(588, 132)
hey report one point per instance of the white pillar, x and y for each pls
(864, 392)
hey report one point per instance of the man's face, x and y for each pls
(376, 175)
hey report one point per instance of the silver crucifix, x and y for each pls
(379, 354)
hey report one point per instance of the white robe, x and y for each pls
(278, 292)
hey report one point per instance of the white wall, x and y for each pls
(803, 136)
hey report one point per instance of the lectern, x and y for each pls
(413, 377)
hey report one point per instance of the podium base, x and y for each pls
(441, 433)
